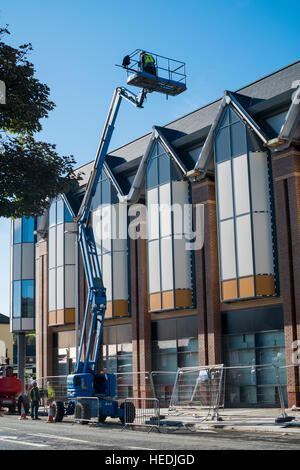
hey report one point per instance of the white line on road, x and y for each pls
(16, 441)
(52, 436)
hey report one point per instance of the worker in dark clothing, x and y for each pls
(126, 61)
(35, 400)
(148, 63)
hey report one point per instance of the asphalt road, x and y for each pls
(18, 434)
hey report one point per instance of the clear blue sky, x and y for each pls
(226, 45)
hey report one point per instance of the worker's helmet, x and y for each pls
(34, 382)
(142, 52)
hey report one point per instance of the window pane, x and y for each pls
(106, 191)
(222, 145)
(238, 139)
(152, 176)
(241, 185)
(52, 213)
(67, 217)
(152, 214)
(160, 148)
(27, 229)
(164, 168)
(224, 186)
(27, 299)
(234, 117)
(17, 299)
(225, 118)
(154, 266)
(60, 211)
(175, 172)
(17, 230)
(227, 245)
(244, 246)
(166, 264)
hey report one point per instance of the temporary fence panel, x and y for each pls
(198, 386)
(132, 383)
(163, 385)
(142, 412)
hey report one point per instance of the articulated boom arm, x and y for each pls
(96, 300)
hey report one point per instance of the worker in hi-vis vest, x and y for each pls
(50, 392)
(35, 400)
(148, 63)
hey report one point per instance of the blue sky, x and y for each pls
(225, 45)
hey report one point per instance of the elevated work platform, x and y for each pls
(165, 75)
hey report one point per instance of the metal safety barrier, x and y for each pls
(198, 386)
(142, 412)
(87, 410)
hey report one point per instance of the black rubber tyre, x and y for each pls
(82, 412)
(12, 409)
(23, 399)
(129, 412)
(58, 409)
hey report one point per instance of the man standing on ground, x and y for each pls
(35, 400)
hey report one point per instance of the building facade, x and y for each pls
(197, 228)
(6, 341)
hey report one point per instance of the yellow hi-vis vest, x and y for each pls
(148, 59)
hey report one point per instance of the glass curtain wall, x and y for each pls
(169, 262)
(61, 264)
(110, 232)
(246, 238)
(23, 272)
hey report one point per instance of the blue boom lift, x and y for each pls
(90, 394)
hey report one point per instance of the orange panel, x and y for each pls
(229, 289)
(60, 317)
(70, 315)
(52, 318)
(168, 299)
(120, 308)
(108, 313)
(246, 286)
(265, 284)
(183, 298)
(155, 301)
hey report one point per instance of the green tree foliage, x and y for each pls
(31, 172)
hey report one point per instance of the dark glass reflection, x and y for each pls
(27, 305)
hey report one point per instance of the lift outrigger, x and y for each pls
(85, 382)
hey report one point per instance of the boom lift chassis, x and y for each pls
(85, 382)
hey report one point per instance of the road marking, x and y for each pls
(16, 441)
(138, 448)
(51, 436)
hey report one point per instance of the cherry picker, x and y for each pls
(91, 394)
